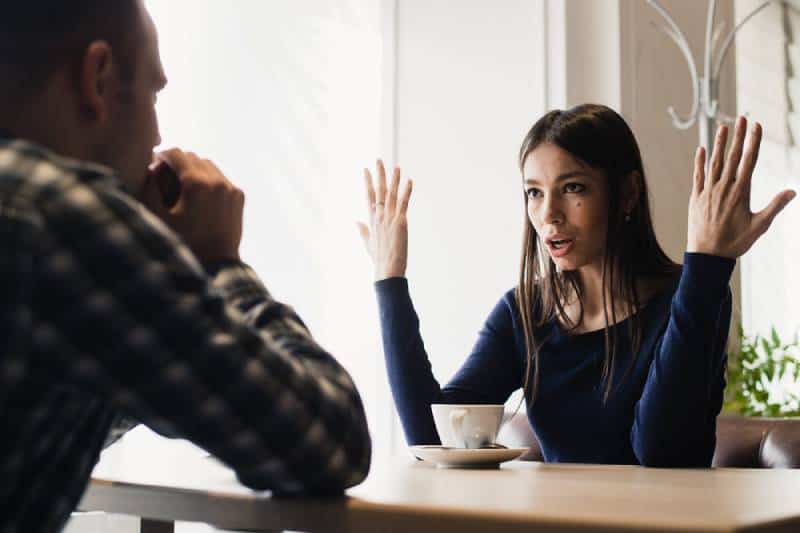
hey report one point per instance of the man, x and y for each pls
(116, 301)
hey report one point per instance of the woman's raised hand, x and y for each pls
(720, 220)
(386, 237)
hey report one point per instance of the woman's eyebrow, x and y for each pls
(562, 177)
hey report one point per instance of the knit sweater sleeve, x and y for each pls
(489, 374)
(675, 417)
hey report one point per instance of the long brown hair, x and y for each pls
(600, 138)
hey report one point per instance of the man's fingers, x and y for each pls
(177, 159)
(735, 153)
(167, 181)
(405, 197)
(391, 198)
(717, 156)
(763, 219)
(699, 169)
(152, 197)
(214, 169)
(370, 190)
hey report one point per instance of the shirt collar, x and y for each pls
(88, 170)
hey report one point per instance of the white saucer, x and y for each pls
(466, 457)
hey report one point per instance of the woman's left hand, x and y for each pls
(720, 220)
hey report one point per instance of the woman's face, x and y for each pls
(567, 205)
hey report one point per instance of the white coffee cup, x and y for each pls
(467, 426)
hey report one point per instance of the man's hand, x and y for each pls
(207, 213)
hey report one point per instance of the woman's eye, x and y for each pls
(533, 193)
(574, 187)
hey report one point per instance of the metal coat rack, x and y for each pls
(705, 89)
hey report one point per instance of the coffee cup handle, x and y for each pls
(457, 421)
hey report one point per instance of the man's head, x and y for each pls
(80, 77)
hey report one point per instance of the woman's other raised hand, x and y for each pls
(386, 236)
(720, 220)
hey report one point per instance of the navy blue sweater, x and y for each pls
(662, 414)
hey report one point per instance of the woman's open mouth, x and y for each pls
(560, 247)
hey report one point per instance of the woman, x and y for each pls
(620, 351)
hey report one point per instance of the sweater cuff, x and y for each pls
(394, 302)
(391, 288)
(397, 281)
(705, 276)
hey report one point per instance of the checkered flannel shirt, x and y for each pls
(106, 314)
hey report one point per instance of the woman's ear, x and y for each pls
(97, 81)
(631, 191)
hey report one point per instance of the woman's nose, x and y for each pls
(552, 212)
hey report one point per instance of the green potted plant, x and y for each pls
(763, 377)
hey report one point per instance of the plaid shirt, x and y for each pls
(105, 314)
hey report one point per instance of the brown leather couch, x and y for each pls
(741, 441)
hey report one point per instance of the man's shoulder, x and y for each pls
(33, 178)
(28, 168)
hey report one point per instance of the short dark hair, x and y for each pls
(38, 36)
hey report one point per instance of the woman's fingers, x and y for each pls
(699, 169)
(370, 190)
(386, 235)
(735, 152)
(405, 197)
(763, 219)
(387, 201)
(381, 199)
(745, 176)
(717, 157)
(364, 231)
(391, 198)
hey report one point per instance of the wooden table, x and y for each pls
(408, 495)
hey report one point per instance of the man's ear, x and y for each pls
(631, 190)
(97, 81)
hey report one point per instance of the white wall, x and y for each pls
(585, 50)
(469, 85)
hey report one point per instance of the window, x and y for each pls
(293, 98)
(286, 98)
(767, 90)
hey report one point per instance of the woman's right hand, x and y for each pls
(386, 237)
